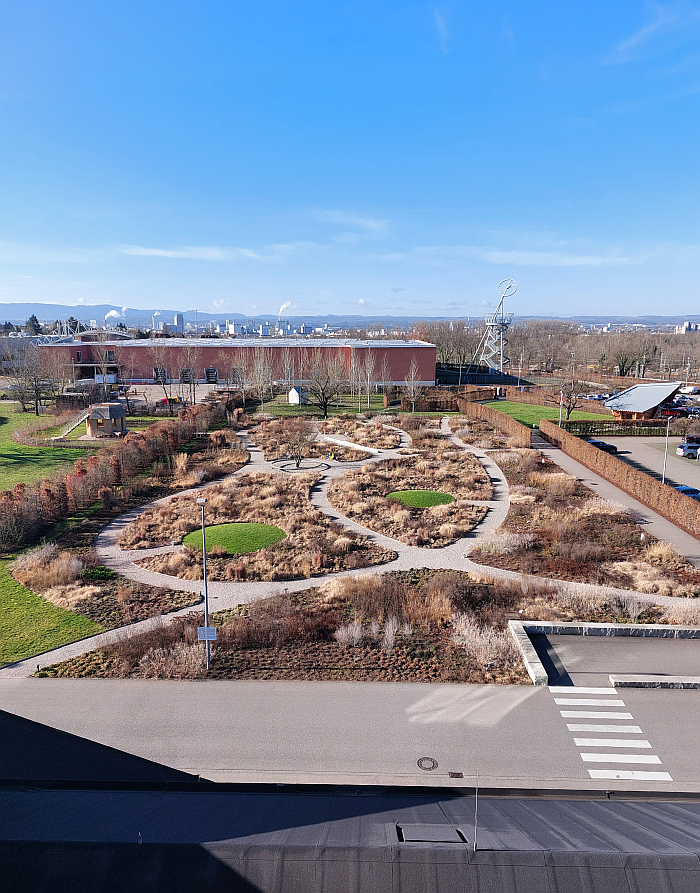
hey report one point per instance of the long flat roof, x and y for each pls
(260, 342)
(642, 397)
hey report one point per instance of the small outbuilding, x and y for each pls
(298, 397)
(106, 420)
(642, 400)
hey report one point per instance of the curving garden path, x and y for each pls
(229, 594)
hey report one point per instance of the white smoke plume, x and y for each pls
(285, 306)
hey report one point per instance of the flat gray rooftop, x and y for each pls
(343, 840)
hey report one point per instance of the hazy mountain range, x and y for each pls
(18, 313)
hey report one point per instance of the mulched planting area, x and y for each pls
(314, 545)
(556, 528)
(361, 495)
(410, 626)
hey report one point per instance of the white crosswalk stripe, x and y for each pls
(593, 714)
(629, 775)
(620, 758)
(607, 698)
(589, 702)
(583, 727)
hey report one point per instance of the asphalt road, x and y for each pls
(342, 733)
(647, 454)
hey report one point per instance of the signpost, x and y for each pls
(205, 633)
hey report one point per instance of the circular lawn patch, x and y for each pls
(236, 538)
(420, 499)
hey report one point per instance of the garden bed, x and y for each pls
(272, 437)
(313, 545)
(78, 584)
(556, 528)
(408, 626)
(361, 494)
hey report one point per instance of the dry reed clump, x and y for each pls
(314, 544)
(556, 484)
(506, 543)
(361, 495)
(599, 506)
(665, 556)
(682, 615)
(181, 661)
(45, 568)
(70, 596)
(649, 578)
(487, 647)
(377, 597)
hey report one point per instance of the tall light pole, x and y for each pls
(202, 502)
(668, 425)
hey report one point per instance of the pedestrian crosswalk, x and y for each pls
(615, 751)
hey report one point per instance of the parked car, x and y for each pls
(693, 492)
(602, 445)
(665, 412)
(689, 389)
(689, 450)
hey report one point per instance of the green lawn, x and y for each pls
(25, 464)
(280, 406)
(420, 499)
(29, 624)
(236, 538)
(530, 414)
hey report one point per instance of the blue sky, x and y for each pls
(367, 157)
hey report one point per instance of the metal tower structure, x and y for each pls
(497, 323)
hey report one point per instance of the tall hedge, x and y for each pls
(662, 498)
(28, 509)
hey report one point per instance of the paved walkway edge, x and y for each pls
(653, 680)
(533, 664)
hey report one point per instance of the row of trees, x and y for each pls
(551, 345)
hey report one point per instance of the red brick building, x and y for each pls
(211, 360)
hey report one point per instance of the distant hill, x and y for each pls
(18, 313)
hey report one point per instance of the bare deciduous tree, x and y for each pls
(413, 386)
(327, 378)
(297, 434)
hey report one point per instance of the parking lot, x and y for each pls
(647, 454)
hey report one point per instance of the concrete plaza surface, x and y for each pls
(331, 733)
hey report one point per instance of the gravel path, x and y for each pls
(229, 594)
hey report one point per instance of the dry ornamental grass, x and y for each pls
(426, 626)
(555, 528)
(314, 544)
(361, 495)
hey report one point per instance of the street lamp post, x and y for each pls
(668, 425)
(202, 502)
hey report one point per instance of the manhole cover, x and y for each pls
(427, 764)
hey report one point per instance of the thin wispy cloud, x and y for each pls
(17, 253)
(665, 21)
(370, 225)
(524, 257)
(269, 253)
(442, 29)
